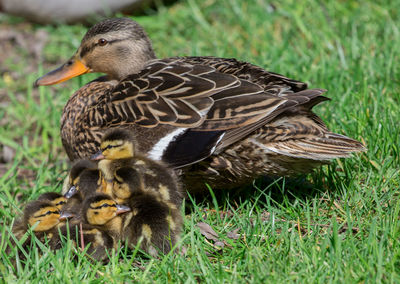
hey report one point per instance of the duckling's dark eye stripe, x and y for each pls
(103, 206)
(111, 146)
(47, 213)
(61, 202)
(87, 49)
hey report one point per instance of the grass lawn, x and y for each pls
(338, 224)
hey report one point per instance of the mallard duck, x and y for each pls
(122, 164)
(55, 198)
(155, 219)
(233, 121)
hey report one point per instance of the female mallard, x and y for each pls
(238, 120)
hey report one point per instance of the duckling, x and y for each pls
(87, 183)
(117, 150)
(154, 220)
(99, 226)
(73, 176)
(102, 212)
(55, 198)
(43, 217)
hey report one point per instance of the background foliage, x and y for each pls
(339, 224)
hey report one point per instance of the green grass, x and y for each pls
(339, 224)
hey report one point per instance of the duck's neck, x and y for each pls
(143, 53)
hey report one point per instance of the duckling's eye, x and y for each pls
(105, 205)
(102, 42)
(107, 147)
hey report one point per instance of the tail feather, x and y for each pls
(304, 135)
(318, 148)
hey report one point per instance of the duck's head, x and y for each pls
(73, 177)
(44, 214)
(88, 182)
(99, 209)
(116, 144)
(117, 47)
(54, 198)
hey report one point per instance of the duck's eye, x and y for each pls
(102, 42)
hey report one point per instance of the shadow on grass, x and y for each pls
(279, 190)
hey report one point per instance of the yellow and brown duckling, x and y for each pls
(156, 221)
(88, 182)
(43, 217)
(235, 121)
(73, 176)
(97, 227)
(102, 211)
(117, 154)
(83, 179)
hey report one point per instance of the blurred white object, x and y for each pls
(61, 11)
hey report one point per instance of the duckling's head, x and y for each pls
(44, 214)
(115, 144)
(57, 199)
(73, 177)
(117, 47)
(101, 208)
(87, 183)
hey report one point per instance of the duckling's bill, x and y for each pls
(66, 215)
(122, 209)
(98, 156)
(72, 68)
(71, 192)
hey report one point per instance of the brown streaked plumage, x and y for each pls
(235, 120)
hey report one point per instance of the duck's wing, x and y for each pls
(188, 95)
(205, 105)
(273, 83)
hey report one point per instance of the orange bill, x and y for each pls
(72, 68)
